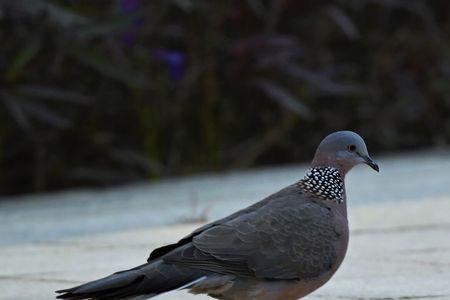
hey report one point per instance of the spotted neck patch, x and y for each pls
(325, 182)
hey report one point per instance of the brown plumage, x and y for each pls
(283, 247)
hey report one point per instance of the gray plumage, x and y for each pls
(282, 247)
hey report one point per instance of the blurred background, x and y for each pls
(126, 124)
(98, 93)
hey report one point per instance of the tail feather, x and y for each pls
(149, 279)
(112, 293)
(112, 281)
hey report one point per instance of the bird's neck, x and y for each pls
(324, 160)
(326, 183)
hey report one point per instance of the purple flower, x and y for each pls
(174, 60)
(130, 31)
(129, 38)
(129, 5)
(138, 22)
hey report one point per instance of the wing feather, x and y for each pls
(288, 238)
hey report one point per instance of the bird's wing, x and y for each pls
(161, 251)
(290, 238)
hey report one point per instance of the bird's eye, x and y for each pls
(351, 148)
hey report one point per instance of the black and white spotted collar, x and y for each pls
(325, 182)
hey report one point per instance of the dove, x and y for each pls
(283, 247)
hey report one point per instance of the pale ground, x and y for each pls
(399, 248)
(397, 251)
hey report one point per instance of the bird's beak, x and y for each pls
(370, 162)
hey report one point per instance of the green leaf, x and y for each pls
(22, 58)
(121, 73)
(52, 93)
(185, 5)
(55, 13)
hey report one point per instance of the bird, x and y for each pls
(281, 248)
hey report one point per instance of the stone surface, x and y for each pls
(397, 251)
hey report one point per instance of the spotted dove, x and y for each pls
(283, 247)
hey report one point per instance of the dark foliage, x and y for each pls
(102, 92)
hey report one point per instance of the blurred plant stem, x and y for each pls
(207, 116)
(39, 175)
(149, 121)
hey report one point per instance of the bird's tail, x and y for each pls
(146, 280)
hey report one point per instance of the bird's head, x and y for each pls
(343, 150)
